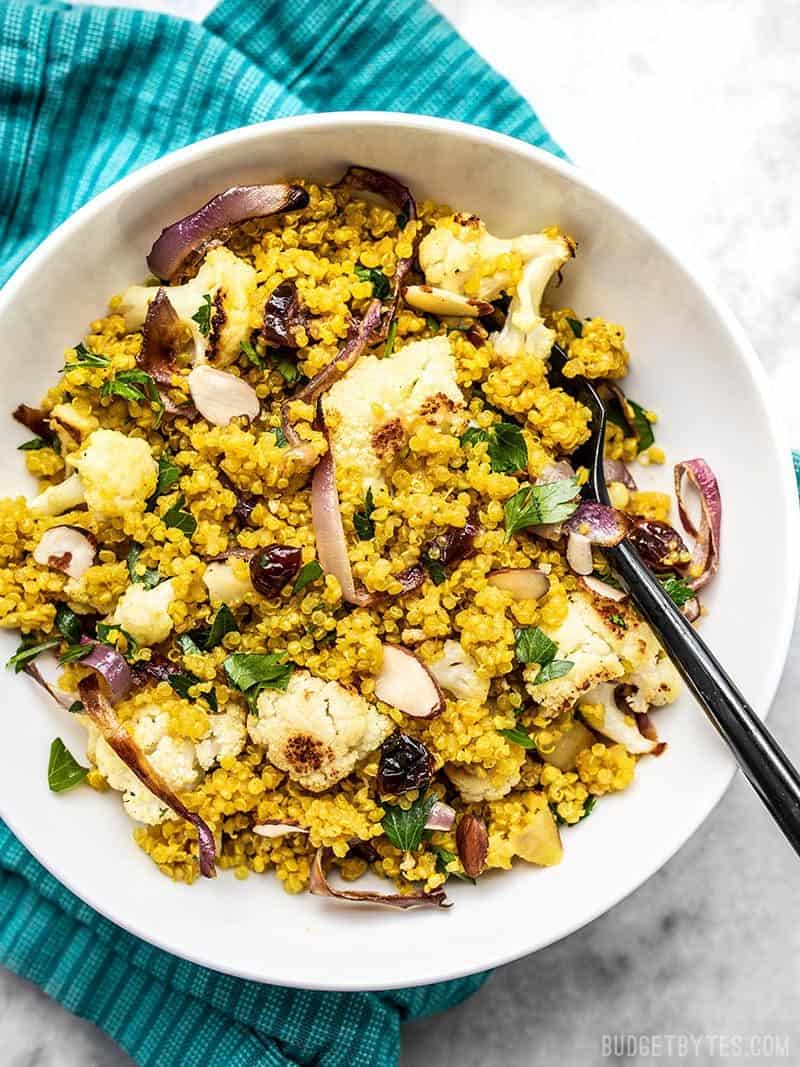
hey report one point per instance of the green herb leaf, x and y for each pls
(433, 323)
(176, 518)
(168, 474)
(508, 452)
(532, 645)
(68, 624)
(251, 354)
(75, 708)
(224, 623)
(250, 672)
(676, 589)
(27, 652)
(362, 520)
(187, 645)
(390, 339)
(182, 682)
(73, 653)
(307, 574)
(85, 358)
(402, 220)
(105, 635)
(34, 445)
(147, 577)
(127, 385)
(576, 327)
(588, 807)
(642, 426)
(518, 737)
(404, 828)
(289, 371)
(280, 437)
(380, 283)
(436, 571)
(444, 857)
(203, 316)
(556, 668)
(618, 621)
(534, 505)
(63, 770)
(472, 435)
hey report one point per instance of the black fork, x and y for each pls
(762, 759)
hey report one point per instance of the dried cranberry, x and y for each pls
(363, 850)
(453, 546)
(283, 313)
(405, 764)
(245, 502)
(660, 546)
(273, 567)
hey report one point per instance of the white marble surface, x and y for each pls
(691, 111)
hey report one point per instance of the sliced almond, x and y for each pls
(278, 829)
(524, 583)
(441, 817)
(472, 842)
(67, 549)
(434, 301)
(406, 683)
(579, 553)
(220, 396)
(603, 589)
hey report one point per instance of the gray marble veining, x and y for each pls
(691, 111)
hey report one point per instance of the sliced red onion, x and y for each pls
(64, 699)
(326, 519)
(705, 557)
(332, 372)
(441, 817)
(33, 419)
(411, 578)
(117, 737)
(404, 682)
(602, 525)
(616, 471)
(273, 829)
(111, 666)
(603, 589)
(283, 314)
(524, 583)
(162, 339)
(320, 887)
(66, 548)
(579, 553)
(243, 508)
(220, 396)
(192, 235)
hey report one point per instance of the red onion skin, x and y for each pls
(193, 234)
(326, 519)
(161, 338)
(111, 666)
(605, 526)
(283, 313)
(34, 420)
(319, 886)
(705, 557)
(117, 737)
(617, 471)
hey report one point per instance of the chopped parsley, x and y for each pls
(28, 652)
(147, 577)
(677, 589)
(507, 450)
(534, 505)
(68, 624)
(642, 426)
(588, 806)
(85, 358)
(287, 370)
(433, 323)
(435, 570)
(251, 354)
(380, 283)
(307, 574)
(76, 707)
(518, 737)
(250, 672)
(280, 437)
(224, 623)
(110, 633)
(183, 681)
(532, 645)
(576, 326)
(127, 385)
(362, 520)
(618, 620)
(73, 653)
(188, 645)
(63, 770)
(168, 474)
(444, 857)
(34, 445)
(404, 828)
(390, 339)
(402, 220)
(203, 316)
(177, 518)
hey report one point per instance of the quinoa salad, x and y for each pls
(309, 559)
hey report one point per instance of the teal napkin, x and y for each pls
(86, 96)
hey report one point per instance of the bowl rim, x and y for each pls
(778, 435)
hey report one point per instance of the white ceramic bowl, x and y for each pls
(690, 361)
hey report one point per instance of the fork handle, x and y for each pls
(759, 755)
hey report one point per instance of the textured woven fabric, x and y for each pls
(86, 96)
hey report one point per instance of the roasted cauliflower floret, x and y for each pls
(600, 710)
(524, 329)
(229, 283)
(144, 613)
(174, 759)
(57, 499)
(596, 348)
(372, 410)
(117, 472)
(476, 784)
(227, 582)
(316, 731)
(226, 739)
(457, 672)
